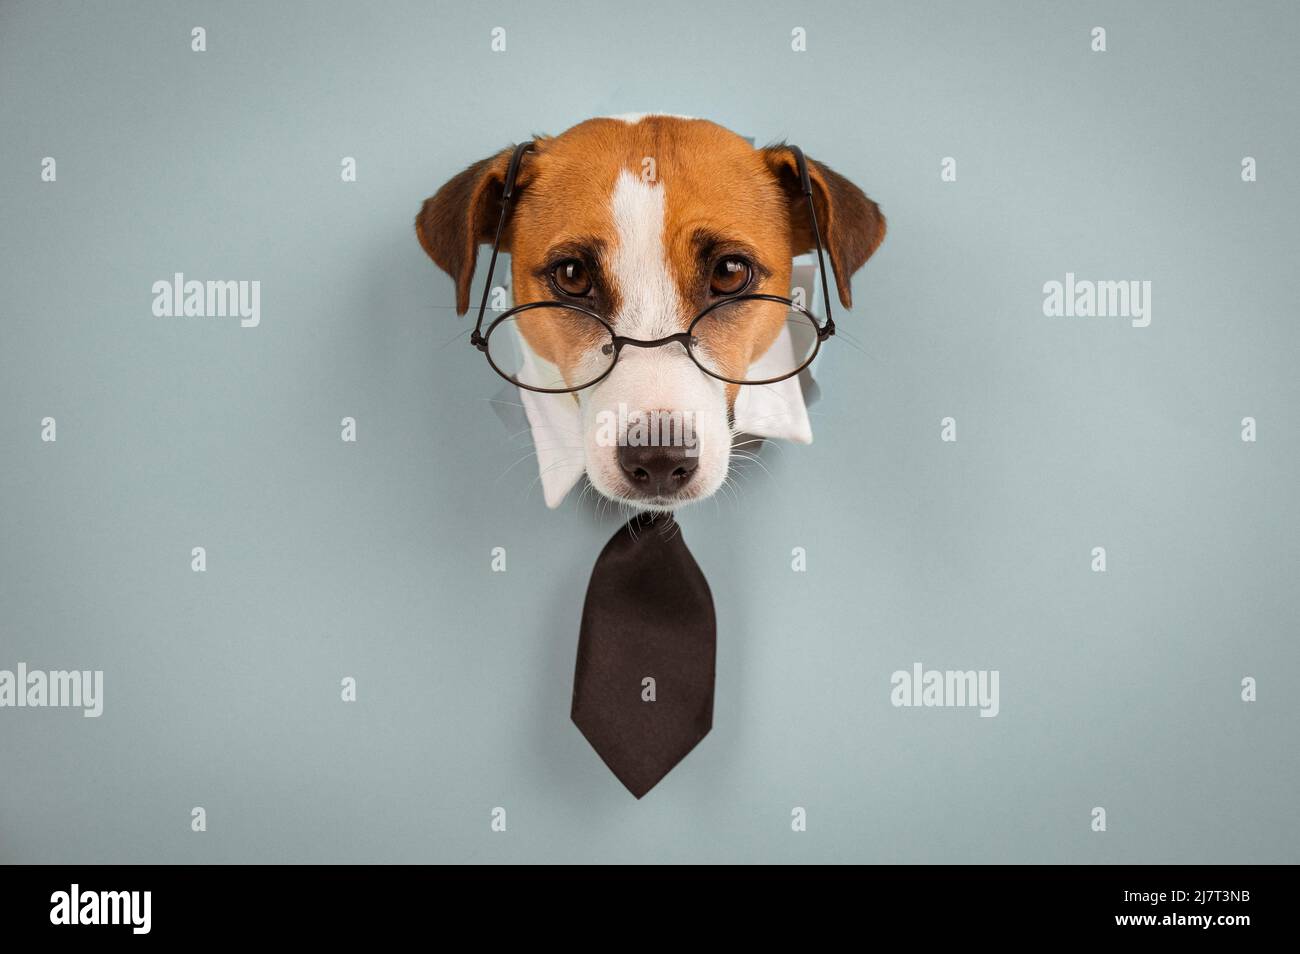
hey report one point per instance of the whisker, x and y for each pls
(550, 467)
(451, 341)
(853, 342)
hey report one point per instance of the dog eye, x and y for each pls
(571, 278)
(730, 275)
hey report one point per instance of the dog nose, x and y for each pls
(658, 470)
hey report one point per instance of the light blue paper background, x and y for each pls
(372, 560)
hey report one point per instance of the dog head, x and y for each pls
(647, 221)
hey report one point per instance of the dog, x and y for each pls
(649, 219)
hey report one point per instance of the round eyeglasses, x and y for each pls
(711, 340)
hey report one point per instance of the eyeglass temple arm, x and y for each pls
(507, 196)
(805, 184)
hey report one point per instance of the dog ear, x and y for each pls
(851, 225)
(462, 215)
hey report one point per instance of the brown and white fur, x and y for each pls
(651, 244)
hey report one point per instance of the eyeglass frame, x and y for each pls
(480, 341)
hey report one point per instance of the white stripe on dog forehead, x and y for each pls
(651, 305)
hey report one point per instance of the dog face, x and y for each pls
(647, 221)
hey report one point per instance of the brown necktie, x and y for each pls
(643, 686)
